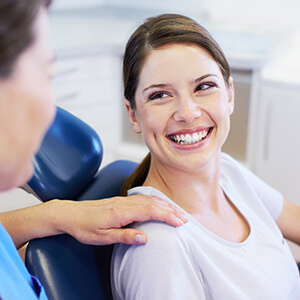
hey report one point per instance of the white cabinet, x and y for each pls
(236, 143)
(276, 144)
(90, 88)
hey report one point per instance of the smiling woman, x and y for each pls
(181, 92)
(158, 34)
(180, 96)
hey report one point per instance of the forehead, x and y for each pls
(41, 28)
(178, 61)
(38, 56)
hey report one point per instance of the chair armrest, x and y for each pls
(70, 270)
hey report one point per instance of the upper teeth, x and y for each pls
(188, 139)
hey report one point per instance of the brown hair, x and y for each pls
(16, 30)
(152, 34)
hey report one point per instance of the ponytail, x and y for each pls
(139, 175)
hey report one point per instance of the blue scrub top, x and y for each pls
(15, 280)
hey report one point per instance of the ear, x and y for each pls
(132, 115)
(230, 90)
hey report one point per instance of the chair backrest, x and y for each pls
(65, 168)
(68, 269)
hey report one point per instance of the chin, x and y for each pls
(28, 172)
(14, 179)
(23, 175)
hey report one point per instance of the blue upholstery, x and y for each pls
(67, 160)
(66, 268)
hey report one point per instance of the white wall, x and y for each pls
(187, 6)
(279, 15)
(269, 14)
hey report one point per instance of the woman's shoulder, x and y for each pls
(164, 243)
(155, 265)
(162, 238)
(160, 231)
(157, 230)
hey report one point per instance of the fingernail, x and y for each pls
(140, 239)
(179, 222)
(185, 219)
(182, 220)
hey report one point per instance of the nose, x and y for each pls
(187, 110)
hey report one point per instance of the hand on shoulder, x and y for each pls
(101, 222)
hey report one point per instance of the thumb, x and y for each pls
(128, 236)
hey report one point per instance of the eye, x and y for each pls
(205, 86)
(158, 95)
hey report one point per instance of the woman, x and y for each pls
(179, 95)
(26, 111)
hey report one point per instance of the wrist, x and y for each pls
(56, 216)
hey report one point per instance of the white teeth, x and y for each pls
(187, 139)
(196, 137)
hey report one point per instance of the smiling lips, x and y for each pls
(189, 139)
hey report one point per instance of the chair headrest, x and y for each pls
(69, 157)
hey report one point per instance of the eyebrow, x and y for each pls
(160, 85)
(163, 85)
(205, 76)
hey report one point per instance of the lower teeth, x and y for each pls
(185, 143)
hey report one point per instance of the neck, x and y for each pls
(194, 191)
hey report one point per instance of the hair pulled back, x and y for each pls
(154, 33)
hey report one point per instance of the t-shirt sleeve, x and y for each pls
(270, 197)
(163, 268)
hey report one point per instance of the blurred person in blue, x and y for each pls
(26, 111)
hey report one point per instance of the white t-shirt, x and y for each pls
(191, 262)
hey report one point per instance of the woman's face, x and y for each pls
(26, 107)
(183, 106)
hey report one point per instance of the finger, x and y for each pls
(165, 216)
(154, 200)
(125, 236)
(178, 211)
(161, 210)
(153, 213)
(152, 207)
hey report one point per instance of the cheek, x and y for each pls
(153, 122)
(38, 112)
(222, 108)
(219, 113)
(153, 127)
(224, 120)
(47, 106)
(42, 102)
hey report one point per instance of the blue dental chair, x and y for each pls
(66, 167)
